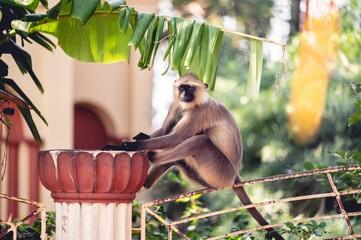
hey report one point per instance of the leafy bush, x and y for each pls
(27, 232)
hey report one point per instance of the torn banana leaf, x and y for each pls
(213, 54)
(112, 5)
(158, 37)
(193, 44)
(124, 18)
(149, 44)
(206, 55)
(28, 4)
(171, 39)
(183, 31)
(83, 10)
(29, 120)
(141, 25)
(255, 68)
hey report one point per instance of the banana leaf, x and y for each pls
(124, 18)
(141, 25)
(28, 4)
(98, 41)
(83, 10)
(29, 104)
(193, 44)
(158, 37)
(112, 5)
(183, 31)
(149, 44)
(29, 120)
(213, 54)
(255, 68)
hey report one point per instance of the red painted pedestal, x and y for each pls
(93, 191)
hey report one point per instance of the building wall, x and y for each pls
(121, 91)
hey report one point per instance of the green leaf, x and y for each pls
(34, 17)
(255, 68)
(289, 225)
(12, 98)
(98, 41)
(158, 36)
(112, 5)
(354, 118)
(44, 3)
(308, 165)
(183, 31)
(54, 11)
(22, 28)
(124, 18)
(83, 10)
(27, 101)
(206, 56)
(193, 43)
(214, 51)
(171, 40)
(29, 120)
(42, 41)
(142, 23)
(149, 44)
(23, 60)
(28, 4)
(322, 225)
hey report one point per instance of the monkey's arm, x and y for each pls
(173, 117)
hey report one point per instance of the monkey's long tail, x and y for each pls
(243, 196)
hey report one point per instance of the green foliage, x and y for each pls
(305, 230)
(268, 147)
(106, 31)
(8, 45)
(28, 232)
(255, 68)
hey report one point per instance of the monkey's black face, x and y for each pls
(186, 93)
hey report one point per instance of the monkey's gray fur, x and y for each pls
(201, 137)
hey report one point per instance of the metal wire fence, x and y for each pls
(333, 191)
(11, 226)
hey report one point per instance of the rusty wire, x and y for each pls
(335, 193)
(14, 225)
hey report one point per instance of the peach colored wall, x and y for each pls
(124, 95)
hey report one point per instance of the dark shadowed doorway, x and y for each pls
(89, 130)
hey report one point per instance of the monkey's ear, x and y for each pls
(206, 85)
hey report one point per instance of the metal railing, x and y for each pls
(172, 226)
(40, 208)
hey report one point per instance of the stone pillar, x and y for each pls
(93, 191)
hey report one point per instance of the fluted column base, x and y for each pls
(92, 221)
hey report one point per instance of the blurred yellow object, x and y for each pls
(318, 46)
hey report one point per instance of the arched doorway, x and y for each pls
(89, 130)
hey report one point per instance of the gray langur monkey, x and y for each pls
(201, 137)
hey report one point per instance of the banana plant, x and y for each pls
(10, 92)
(105, 32)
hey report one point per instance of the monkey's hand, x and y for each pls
(126, 146)
(151, 156)
(141, 136)
(130, 146)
